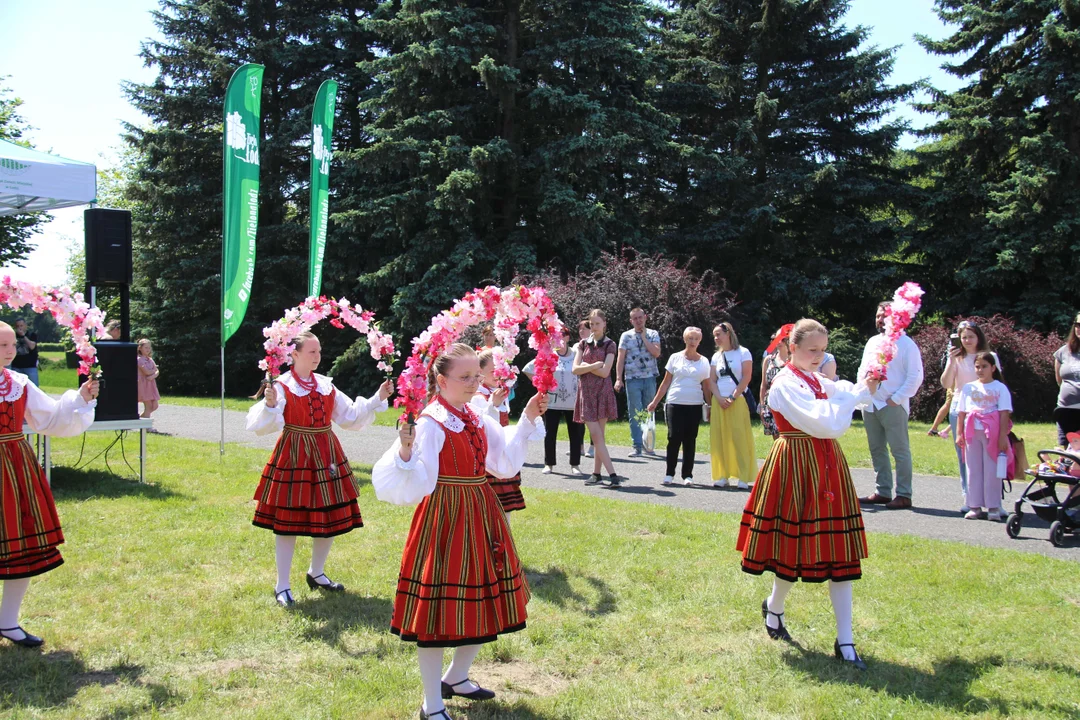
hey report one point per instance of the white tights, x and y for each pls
(841, 595)
(14, 592)
(285, 547)
(432, 677)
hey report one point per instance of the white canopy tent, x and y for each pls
(32, 181)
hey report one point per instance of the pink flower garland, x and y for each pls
(281, 335)
(898, 316)
(67, 308)
(508, 309)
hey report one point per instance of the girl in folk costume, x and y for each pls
(29, 526)
(461, 582)
(307, 487)
(491, 399)
(802, 520)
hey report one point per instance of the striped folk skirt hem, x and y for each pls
(508, 491)
(802, 520)
(461, 582)
(326, 522)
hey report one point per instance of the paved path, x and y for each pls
(935, 515)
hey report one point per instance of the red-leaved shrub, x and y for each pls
(672, 295)
(1026, 357)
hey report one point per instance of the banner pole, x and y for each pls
(223, 400)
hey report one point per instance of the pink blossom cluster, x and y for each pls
(281, 335)
(67, 308)
(508, 309)
(898, 316)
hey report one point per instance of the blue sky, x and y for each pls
(67, 58)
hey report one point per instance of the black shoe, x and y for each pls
(331, 586)
(437, 714)
(779, 633)
(30, 641)
(857, 662)
(594, 479)
(614, 480)
(285, 598)
(480, 693)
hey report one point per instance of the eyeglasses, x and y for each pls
(467, 379)
(966, 325)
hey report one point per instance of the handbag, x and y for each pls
(648, 435)
(1019, 455)
(751, 401)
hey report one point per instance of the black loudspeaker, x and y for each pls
(119, 396)
(108, 246)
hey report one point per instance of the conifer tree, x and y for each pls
(177, 178)
(1001, 222)
(788, 189)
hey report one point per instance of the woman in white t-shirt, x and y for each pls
(685, 378)
(983, 426)
(731, 442)
(959, 371)
(561, 404)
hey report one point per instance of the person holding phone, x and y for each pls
(968, 341)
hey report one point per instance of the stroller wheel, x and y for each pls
(1012, 526)
(1057, 534)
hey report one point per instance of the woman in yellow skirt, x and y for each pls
(731, 440)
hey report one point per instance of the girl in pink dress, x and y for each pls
(148, 373)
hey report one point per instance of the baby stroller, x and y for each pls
(1058, 506)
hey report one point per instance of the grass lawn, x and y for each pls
(165, 609)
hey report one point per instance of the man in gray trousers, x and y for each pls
(886, 419)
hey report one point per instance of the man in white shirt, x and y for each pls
(886, 419)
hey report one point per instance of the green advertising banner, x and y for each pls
(241, 195)
(322, 128)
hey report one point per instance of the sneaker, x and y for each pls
(590, 451)
(688, 481)
(667, 480)
(593, 479)
(975, 515)
(613, 480)
(651, 453)
(636, 452)
(995, 515)
(575, 470)
(743, 486)
(546, 470)
(964, 508)
(721, 483)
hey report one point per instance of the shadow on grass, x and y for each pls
(500, 711)
(947, 686)
(69, 484)
(45, 680)
(334, 614)
(553, 586)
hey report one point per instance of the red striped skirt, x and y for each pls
(508, 491)
(461, 582)
(802, 520)
(29, 525)
(307, 487)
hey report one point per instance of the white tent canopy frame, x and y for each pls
(32, 181)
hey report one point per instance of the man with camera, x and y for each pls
(26, 354)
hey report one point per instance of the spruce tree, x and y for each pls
(505, 137)
(177, 179)
(788, 188)
(1000, 226)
